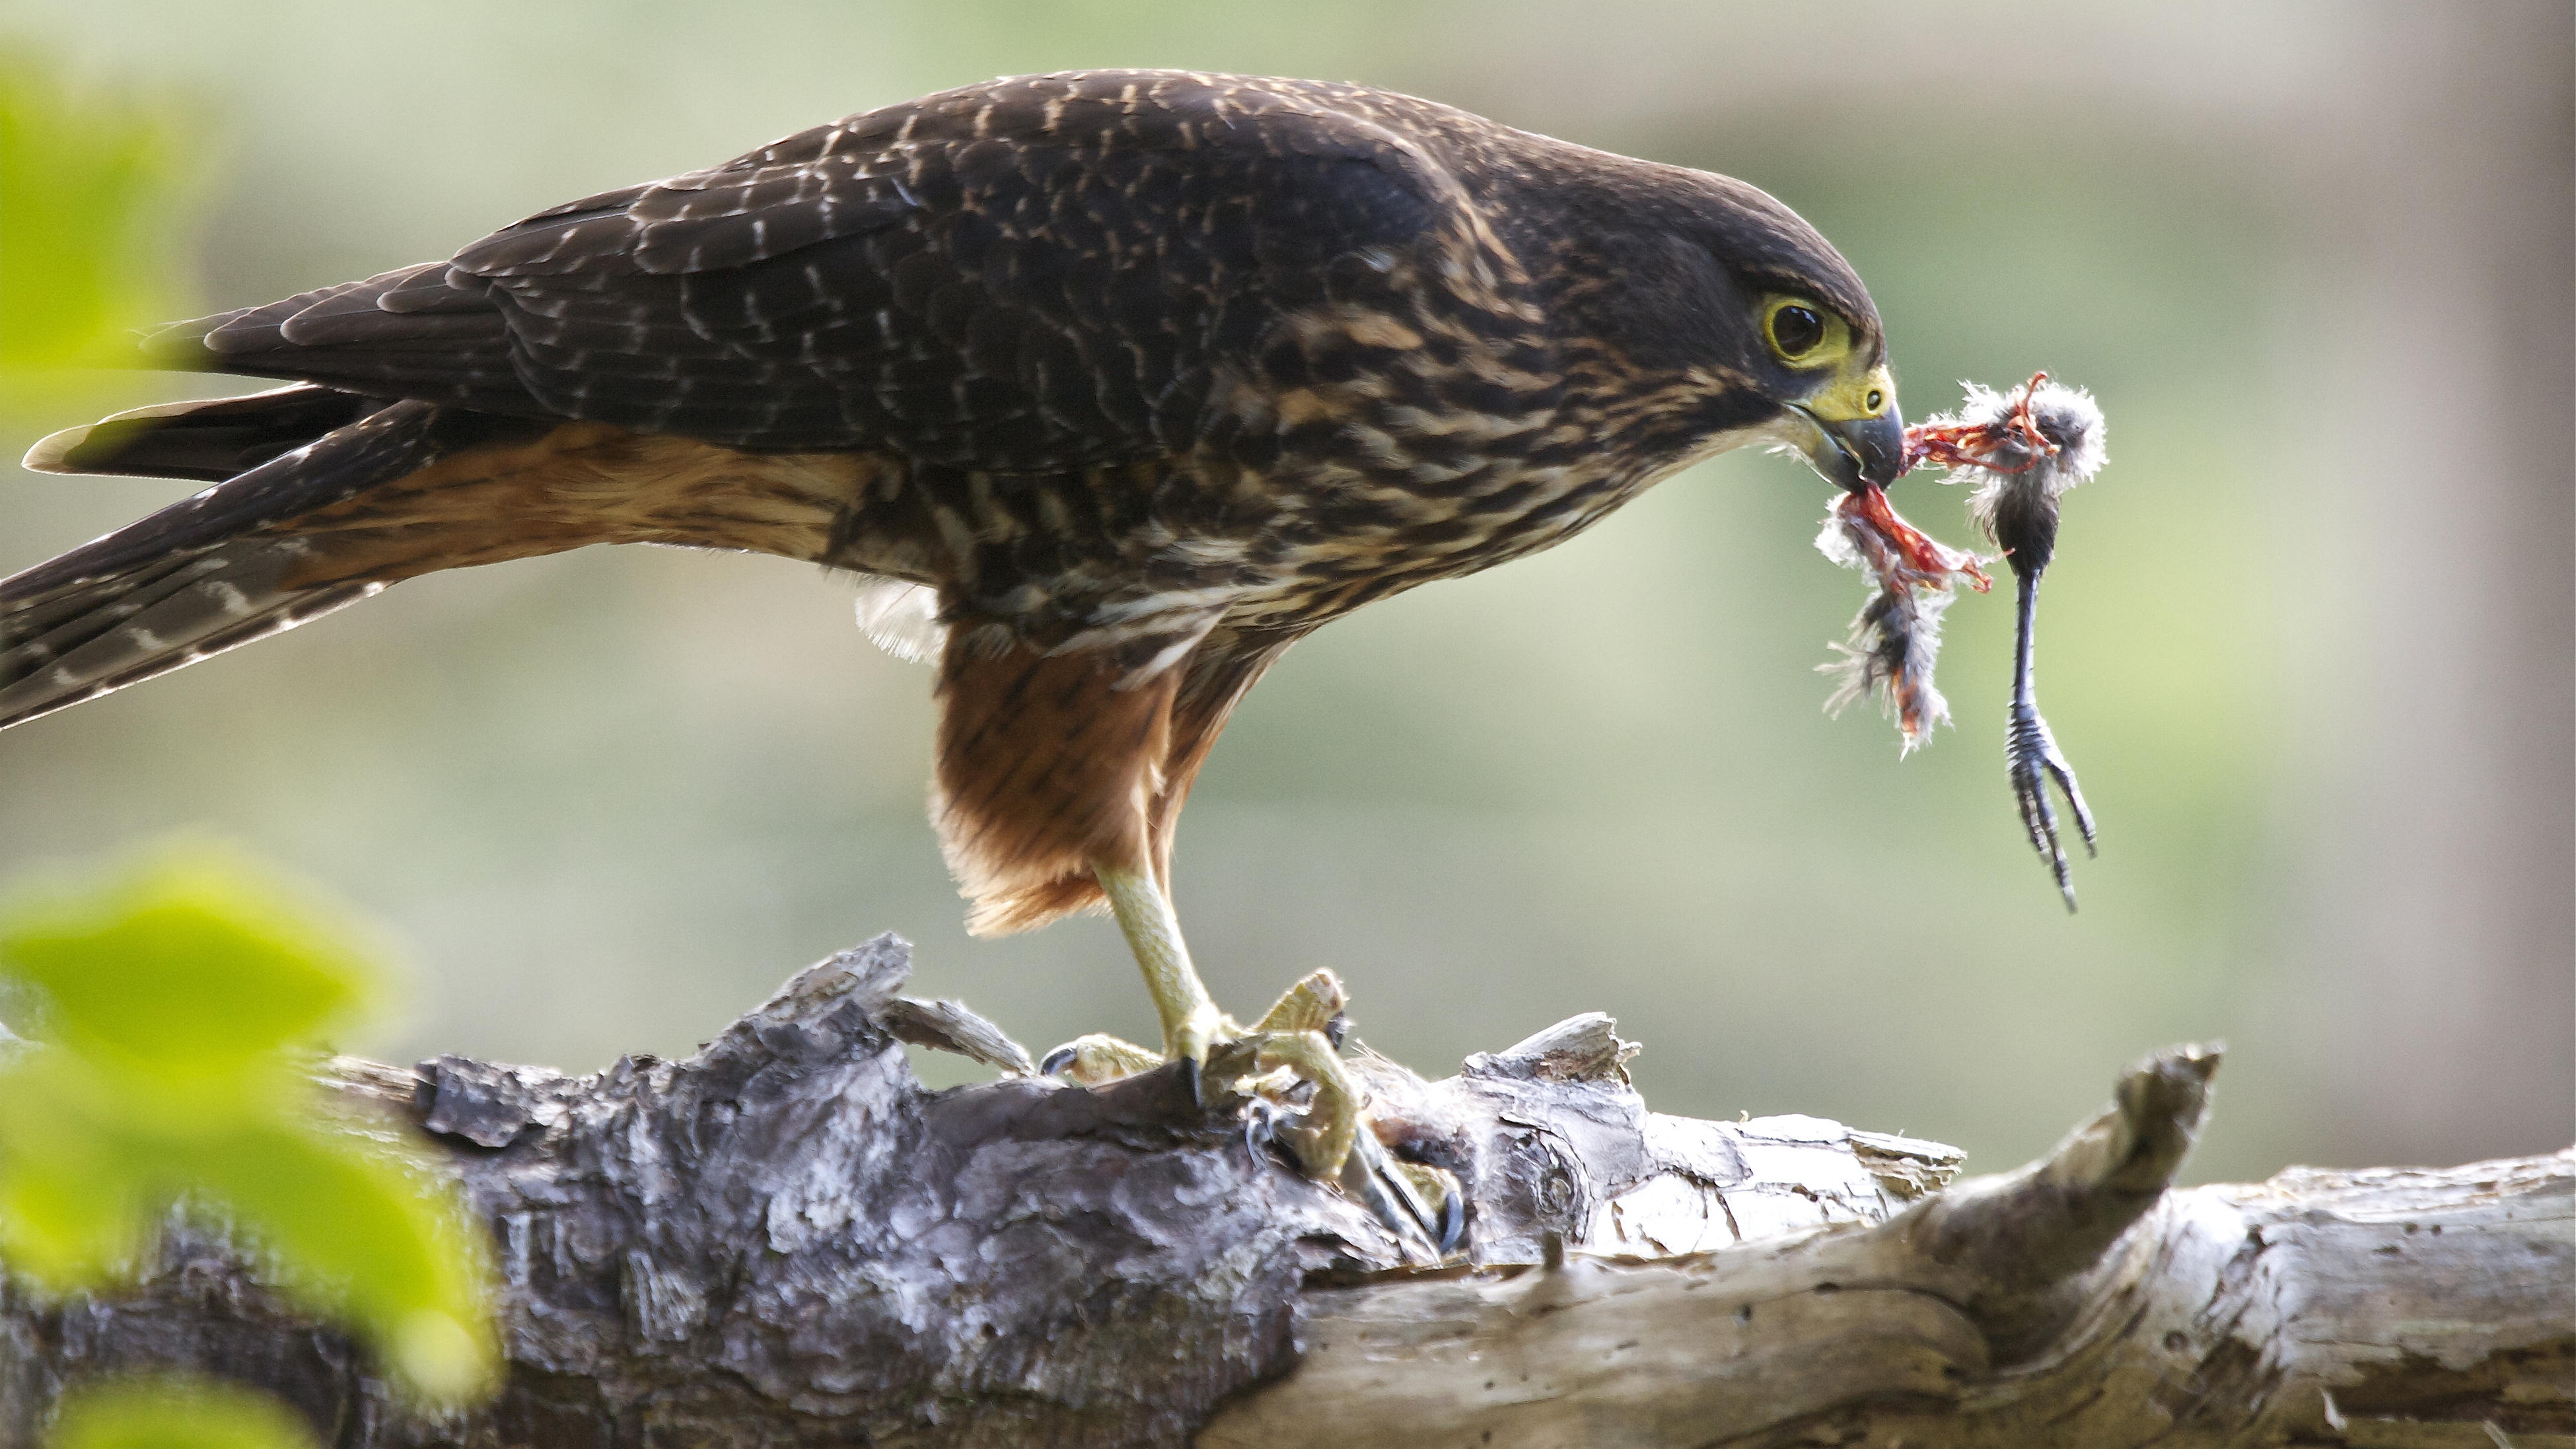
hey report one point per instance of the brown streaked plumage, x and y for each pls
(1140, 375)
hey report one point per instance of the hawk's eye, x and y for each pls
(1796, 331)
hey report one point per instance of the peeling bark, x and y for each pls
(787, 1240)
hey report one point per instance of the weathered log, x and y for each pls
(787, 1240)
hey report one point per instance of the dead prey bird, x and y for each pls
(2020, 452)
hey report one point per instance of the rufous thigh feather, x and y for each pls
(1046, 763)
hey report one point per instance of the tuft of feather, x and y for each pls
(2019, 452)
(902, 618)
(1893, 646)
(1895, 640)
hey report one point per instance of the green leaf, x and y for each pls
(176, 1413)
(75, 1203)
(190, 967)
(86, 192)
(174, 990)
(359, 1237)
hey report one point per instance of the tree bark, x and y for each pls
(787, 1240)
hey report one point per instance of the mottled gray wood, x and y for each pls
(2075, 1302)
(787, 1240)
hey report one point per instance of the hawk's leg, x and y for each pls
(1191, 1023)
(1291, 1052)
(1059, 773)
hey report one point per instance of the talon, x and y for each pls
(1366, 1175)
(1453, 1222)
(1260, 1130)
(1194, 1036)
(1096, 1059)
(1442, 1201)
(1396, 1191)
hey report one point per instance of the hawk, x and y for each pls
(1108, 386)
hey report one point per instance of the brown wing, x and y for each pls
(1030, 274)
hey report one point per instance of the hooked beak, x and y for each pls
(1856, 452)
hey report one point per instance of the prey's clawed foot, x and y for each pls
(1419, 1201)
(1285, 1078)
(2033, 759)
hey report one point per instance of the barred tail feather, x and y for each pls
(204, 575)
(110, 633)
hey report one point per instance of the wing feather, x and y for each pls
(1033, 274)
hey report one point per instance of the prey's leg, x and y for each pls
(2031, 754)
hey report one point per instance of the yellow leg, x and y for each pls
(1191, 1022)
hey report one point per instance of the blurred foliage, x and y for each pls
(89, 187)
(174, 1412)
(181, 1001)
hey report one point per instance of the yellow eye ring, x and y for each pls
(1803, 334)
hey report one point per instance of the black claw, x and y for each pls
(1056, 1061)
(1392, 1203)
(1260, 1130)
(1191, 1082)
(2035, 761)
(1400, 1208)
(1336, 1029)
(1453, 1223)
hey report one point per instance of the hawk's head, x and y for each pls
(1734, 317)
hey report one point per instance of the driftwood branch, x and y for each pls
(787, 1240)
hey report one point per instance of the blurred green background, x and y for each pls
(2307, 638)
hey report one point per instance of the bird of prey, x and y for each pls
(1108, 386)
